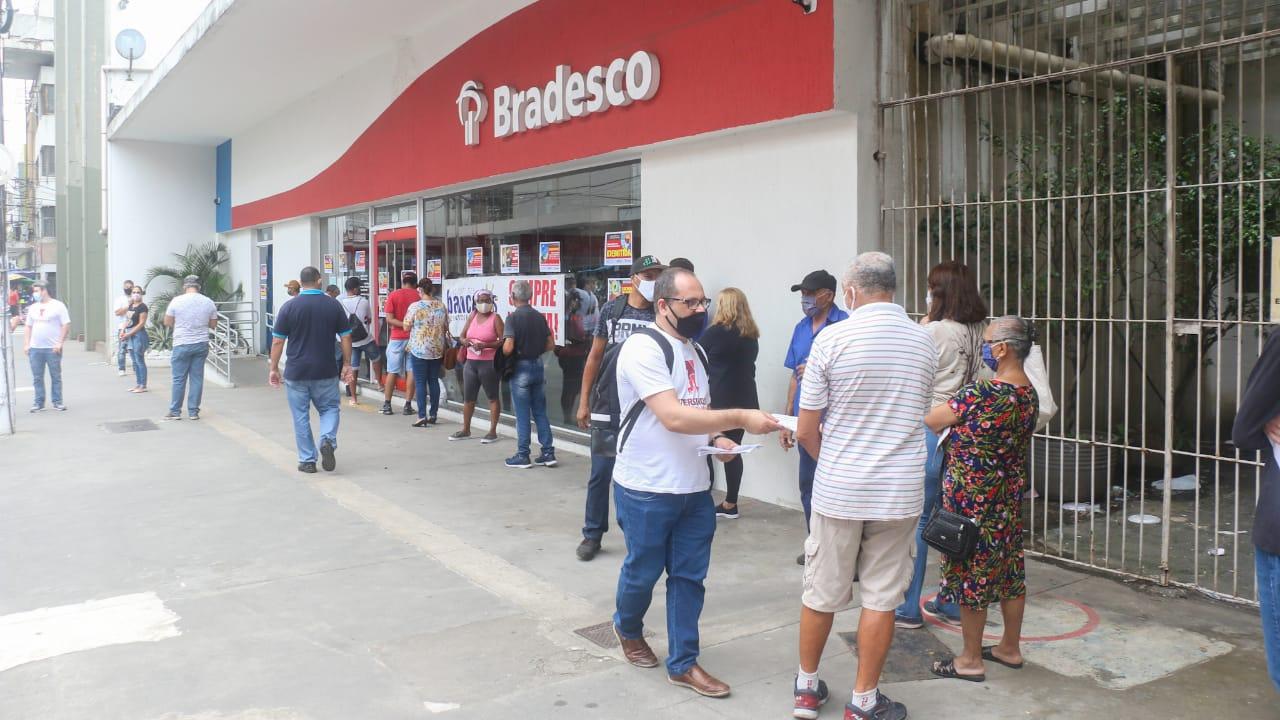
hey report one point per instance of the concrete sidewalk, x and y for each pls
(187, 571)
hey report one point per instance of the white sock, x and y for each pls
(866, 700)
(806, 681)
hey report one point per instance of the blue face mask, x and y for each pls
(809, 304)
(988, 358)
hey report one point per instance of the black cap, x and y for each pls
(817, 280)
(646, 262)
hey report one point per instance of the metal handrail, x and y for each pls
(232, 335)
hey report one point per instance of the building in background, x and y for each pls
(30, 205)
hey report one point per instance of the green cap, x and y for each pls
(646, 262)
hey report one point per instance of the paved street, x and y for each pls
(187, 571)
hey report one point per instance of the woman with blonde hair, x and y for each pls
(732, 343)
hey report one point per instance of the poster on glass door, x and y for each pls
(618, 249)
(342, 263)
(510, 256)
(361, 263)
(475, 260)
(549, 257)
(433, 270)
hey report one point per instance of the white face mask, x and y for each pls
(484, 308)
(646, 289)
(35, 295)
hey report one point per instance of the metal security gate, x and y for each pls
(1109, 169)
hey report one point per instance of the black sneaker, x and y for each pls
(810, 702)
(587, 549)
(519, 461)
(194, 416)
(726, 512)
(327, 461)
(306, 467)
(547, 458)
(172, 417)
(800, 559)
(885, 709)
(386, 409)
(408, 409)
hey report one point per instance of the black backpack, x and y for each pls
(609, 428)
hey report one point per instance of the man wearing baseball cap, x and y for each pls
(619, 318)
(293, 287)
(818, 303)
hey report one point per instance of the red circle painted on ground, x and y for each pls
(1090, 623)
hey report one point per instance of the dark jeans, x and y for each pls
(529, 395)
(571, 367)
(671, 533)
(426, 380)
(808, 466)
(1268, 566)
(596, 523)
(910, 607)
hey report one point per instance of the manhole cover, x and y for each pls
(910, 656)
(128, 426)
(602, 634)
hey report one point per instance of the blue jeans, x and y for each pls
(665, 532)
(138, 344)
(324, 394)
(596, 523)
(1268, 565)
(528, 394)
(187, 363)
(910, 607)
(808, 466)
(426, 379)
(40, 359)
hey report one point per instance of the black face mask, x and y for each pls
(688, 327)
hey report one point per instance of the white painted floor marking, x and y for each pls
(49, 632)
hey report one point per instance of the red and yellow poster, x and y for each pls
(617, 249)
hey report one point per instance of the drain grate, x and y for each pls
(910, 656)
(128, 426)
(602, 634)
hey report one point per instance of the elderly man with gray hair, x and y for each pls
(526, 338)
(192, 316)
(872, 376)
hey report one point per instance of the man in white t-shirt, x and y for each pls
(353, 303)
(122, 312)
(661, 487)
(872, 375)
(191, 315)
(48, 323)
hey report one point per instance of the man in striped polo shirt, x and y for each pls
(872, 375)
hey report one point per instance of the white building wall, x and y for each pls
(294, 248)
(160, 201)
(758, 210)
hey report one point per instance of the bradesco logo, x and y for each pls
(570, 95)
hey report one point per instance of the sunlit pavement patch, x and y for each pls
(1072, 639)
(49, 632)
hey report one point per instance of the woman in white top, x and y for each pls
(956, 319)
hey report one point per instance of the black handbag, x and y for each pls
(952, 534)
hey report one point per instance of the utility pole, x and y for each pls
(8, 382)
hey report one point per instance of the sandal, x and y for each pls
(947, 669)
(987, 654)
(421, 423)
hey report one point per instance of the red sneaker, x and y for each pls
(809, 702)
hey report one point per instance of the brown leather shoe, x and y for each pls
(637, 652)
(701, 682)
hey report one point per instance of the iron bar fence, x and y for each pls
(1111, 170)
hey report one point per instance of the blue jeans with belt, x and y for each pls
(672, 533)
(1268, 566)
(910, 607)
(528, 394)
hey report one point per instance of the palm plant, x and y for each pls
(208, 262)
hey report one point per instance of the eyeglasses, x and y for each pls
(691, 303)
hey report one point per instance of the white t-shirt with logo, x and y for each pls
(45, 321)
(654, 459)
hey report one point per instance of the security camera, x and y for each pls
(217, 201)
(808, 6)
(124, 4)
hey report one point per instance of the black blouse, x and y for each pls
(731, 367)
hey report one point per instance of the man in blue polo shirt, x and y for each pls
(309, 322)
(818, 302)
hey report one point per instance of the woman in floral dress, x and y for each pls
(991, 423)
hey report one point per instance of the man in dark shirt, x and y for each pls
(309, 322)
(618, 319)
(1257, 427)
(527, 337)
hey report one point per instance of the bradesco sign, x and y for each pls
(567, 96)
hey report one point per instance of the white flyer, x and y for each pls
(706, 450)
(788, 422)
